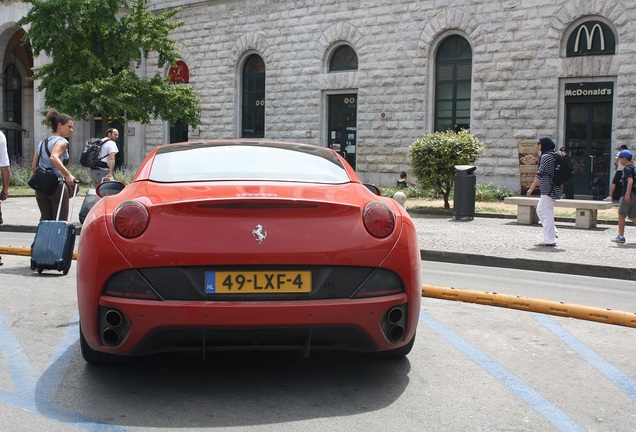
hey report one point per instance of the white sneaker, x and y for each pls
(609, 198)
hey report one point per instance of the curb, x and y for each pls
(18, 228)
(529, 264)
(30, 228)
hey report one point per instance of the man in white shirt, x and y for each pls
(107, 158)
(5, 173)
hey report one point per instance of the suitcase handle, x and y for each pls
(59, 206)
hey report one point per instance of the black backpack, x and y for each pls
(563, 169)
(90, 155)
(598, 188)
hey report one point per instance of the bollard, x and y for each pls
(400, 197)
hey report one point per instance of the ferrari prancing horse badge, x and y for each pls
(259, 234)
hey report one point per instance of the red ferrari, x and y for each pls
(245, 244)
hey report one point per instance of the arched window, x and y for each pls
(343, 58)
(253, 103)
(12, 90)
(13, 109)
(453, 72)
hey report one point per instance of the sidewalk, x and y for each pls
(21, 214)
(501, 242)
(488, 241)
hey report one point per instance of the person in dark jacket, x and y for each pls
(549, 191)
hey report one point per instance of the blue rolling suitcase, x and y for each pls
(54, 242)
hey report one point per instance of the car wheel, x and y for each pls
(398, 352)
(97, 357)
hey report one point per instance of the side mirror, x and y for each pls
(109, 188)
(373, 188)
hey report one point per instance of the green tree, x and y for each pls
(95, 45)
(434, 156)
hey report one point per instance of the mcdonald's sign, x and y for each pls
(591, 38)
(589, 92)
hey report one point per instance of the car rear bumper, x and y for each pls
(148, 327)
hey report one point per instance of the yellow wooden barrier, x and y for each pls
(607, 316)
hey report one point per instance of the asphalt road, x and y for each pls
(473, 368)
(619, 295)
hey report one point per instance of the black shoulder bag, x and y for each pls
(44, 180)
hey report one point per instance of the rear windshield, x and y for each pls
(247, 161)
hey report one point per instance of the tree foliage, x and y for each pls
(95, 47)
(434, 156)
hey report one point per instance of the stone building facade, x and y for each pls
(562, 68)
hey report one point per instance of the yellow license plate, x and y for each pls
(257, 282)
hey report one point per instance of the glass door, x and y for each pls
(588, 142)
(342, 132)
(179, 132)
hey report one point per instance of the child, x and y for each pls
(627, 204)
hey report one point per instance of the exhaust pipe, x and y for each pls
(396, 333)
(393, 323)
(110, 336)
(113, 326)
(113, 318)
(395, 315)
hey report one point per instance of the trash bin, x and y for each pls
(464, 199)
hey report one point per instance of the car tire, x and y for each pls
(97, 357)
(397, 352)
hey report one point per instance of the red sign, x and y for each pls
(179, 73)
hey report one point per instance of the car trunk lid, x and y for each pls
(257, 225)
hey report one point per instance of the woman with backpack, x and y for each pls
(550, 192)
(52, 153)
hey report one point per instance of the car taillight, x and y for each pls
(378, 219)
(130, 219)
(130, 284)
(381, 282)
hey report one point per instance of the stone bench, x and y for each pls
(586, 210)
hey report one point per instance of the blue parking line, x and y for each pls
(612, 373)
(20, 369)
(36, 394)
(63, 354)
(541, 405)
